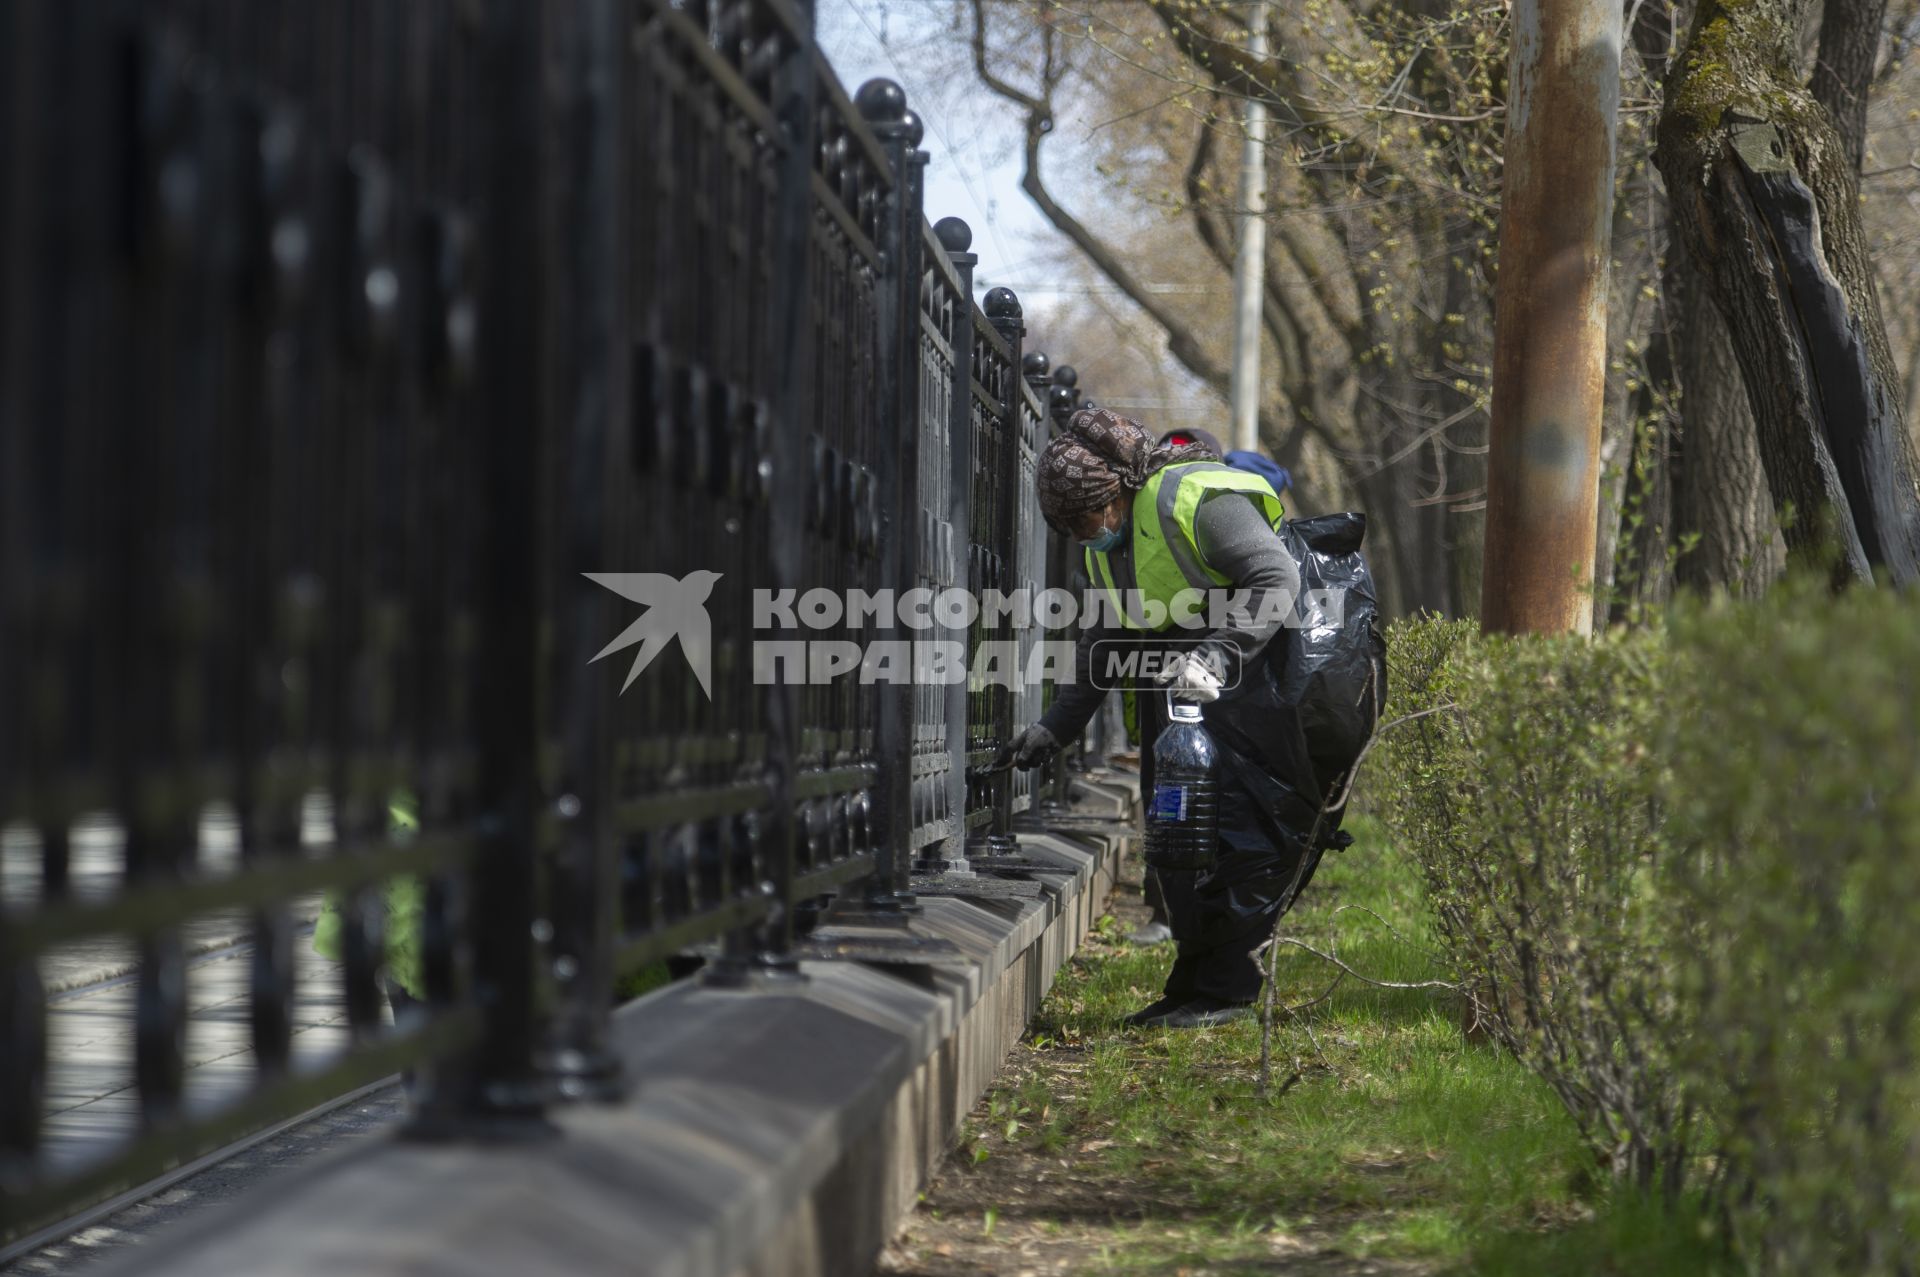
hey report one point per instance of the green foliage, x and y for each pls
(1527, 790)
(1676, 867)
(405, 900)
(1796, 814)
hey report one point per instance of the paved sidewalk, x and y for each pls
(97, 871)
(92, 1103)
(90, 962)
(91, 984)
(91, 1100)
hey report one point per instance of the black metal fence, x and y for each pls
(340, 343)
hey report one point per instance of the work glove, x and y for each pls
(1035, 747)
(1190, 678)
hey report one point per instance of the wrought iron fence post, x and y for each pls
(1003, 311)
(957, 238)
(1075, 568)
(499, 1090)
(1037, 369)
(1063, 400)
(793, 93)
(577, 1056)
(1062, 565)
(884, 106)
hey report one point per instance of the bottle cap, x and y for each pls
(1184, 711)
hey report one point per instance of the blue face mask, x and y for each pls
(1108, 538)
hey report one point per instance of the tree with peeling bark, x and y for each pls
(1766, 201)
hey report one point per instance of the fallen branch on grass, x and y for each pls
(1392, 930)
(1347, 970)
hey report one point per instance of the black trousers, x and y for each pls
(1223, 968)
(1219, 917)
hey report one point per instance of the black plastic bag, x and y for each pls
(1291, 732)
(1335, 667)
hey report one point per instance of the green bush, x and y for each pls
(1525, 787)
(1795, 807)
(1677, 868)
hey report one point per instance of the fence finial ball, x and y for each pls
(1064, 375)
(1060, 401)
(1002, 304)
(881, 101)
(1034, 364)
(954, 234)
(915, 129)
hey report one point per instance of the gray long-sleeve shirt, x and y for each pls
(1234, 540)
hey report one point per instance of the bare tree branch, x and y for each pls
(1183, 343)
(1290, 80)
(1345, 969)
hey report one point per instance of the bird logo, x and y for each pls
(675, 608)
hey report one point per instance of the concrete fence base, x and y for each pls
(781, 1131)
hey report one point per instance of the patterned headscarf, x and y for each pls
(1100, 454)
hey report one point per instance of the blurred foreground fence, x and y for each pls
(339, 342)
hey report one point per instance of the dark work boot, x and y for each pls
(1200, 1013)
(1151, 1013)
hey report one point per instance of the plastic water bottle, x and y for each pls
(1184, 812)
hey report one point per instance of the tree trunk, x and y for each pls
(1843, 71)
(1720, 495)
(1632, 511)
(1765, 199)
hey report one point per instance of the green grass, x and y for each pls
(637, 984)
(1385, 1131)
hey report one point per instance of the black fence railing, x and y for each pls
(365, 369)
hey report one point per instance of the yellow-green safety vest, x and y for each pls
(1166, 556)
